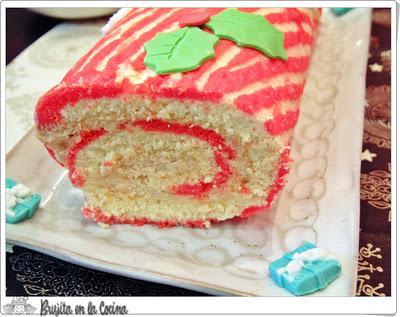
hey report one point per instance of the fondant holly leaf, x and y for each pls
(179, 51)
(249, 30)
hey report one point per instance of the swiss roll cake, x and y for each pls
(181, 116)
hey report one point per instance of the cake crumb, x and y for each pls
(104, 225)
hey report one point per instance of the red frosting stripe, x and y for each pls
(86, 137)
(128, 49)
(183, 17)
(189, 78)
(133, 13)
(222, 153)
(289, 15)
(246, 54)
(194, 75)
(188, 93)
(197, 17)
(48, 109)
(275, 188)
(53, 155)
(296, 38)
(249, 10)
(74, 73)
(90, 83)
(261, 71)
(138, 63)
(100, 216)
(268, 97)
(119, 44)
(282, 122)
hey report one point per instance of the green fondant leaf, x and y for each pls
(179, 51)
(249, 30)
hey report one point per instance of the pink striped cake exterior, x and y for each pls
(110, 95)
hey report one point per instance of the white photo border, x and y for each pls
(223, 305)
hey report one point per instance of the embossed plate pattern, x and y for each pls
(319, 204)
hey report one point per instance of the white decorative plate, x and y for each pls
(320, 203)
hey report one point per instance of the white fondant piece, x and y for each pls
(114, 19)
(20, 191)
(11, 201)
(10, 212)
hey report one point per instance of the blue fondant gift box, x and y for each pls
(305, 270)
(21, 204)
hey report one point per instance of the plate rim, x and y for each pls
(122, 270)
